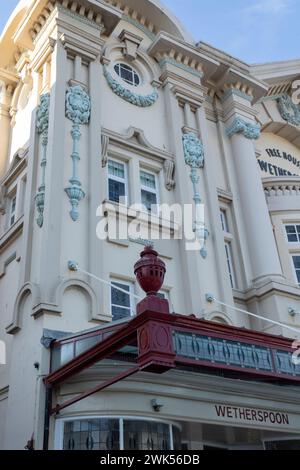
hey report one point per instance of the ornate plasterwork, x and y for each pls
(193, 150)
(136, 99)
(78, 110)
(194, 158)
(78, 105)
(42, 124)
(249, 130)
(289, 111)
(169, 170)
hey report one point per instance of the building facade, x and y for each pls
(102, 100)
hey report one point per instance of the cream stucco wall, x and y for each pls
(37, 291)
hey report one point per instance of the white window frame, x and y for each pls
(230, 263)
(130, 293)
(118, 179)
(294, 224)
(294, 268)
(10, 198)
(150, 190)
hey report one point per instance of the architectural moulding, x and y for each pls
(97, 15)
(56, 308)
(249, 130)
(169, 170)
(176, 63)
(78, 110)
(136, 99)
(140, 26)
(131, 42)
(237, 92)
(289, 111)
(136, 142)
(42, 125)
(173, 51)
(194, 158)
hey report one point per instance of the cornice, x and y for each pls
(9, 78)
(167, 47)
(141, 145)
(42, 54)
(100, 16)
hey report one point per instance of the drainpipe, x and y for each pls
(48, 404)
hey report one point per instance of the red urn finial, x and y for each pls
(150, 271)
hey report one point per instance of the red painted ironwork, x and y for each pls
(98, 388)
(153, 331)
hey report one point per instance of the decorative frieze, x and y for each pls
(71, 8)
(194, 158)
(136, 99)
(180, 60)
(249, 130)
(289, 111)
(78, 110)
(133, 16)
(42, 125)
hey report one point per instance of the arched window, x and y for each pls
(128, 74)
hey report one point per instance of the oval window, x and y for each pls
(127, 73)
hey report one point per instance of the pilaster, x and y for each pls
(7, 85)
(50, 259)
(243, 130)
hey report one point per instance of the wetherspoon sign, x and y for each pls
(278, 157)
(252, 414)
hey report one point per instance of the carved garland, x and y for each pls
(194, 158)
(42, 125)
(78, 110)
(289, 111)
(142, 101)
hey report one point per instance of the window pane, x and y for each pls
(93, 434)
(230, 264)
(120, 302)
(13, 203)
(296, 260)
(118, 313)
(118, 297)
(116, 190)
(146, 435)
(293, 233)
(148, 200)
(224, 221)
(128, 74)
(148, 180)
(116, 169)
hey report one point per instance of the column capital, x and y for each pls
(250, 130)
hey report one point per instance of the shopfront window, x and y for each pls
(119, 434)
(92, 434)
(290, 444)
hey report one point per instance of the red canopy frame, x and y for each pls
(165, 341)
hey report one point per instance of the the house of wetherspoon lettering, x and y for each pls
(109, 103)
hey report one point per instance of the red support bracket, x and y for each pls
(98, 388)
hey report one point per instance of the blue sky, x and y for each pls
(253, 30)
